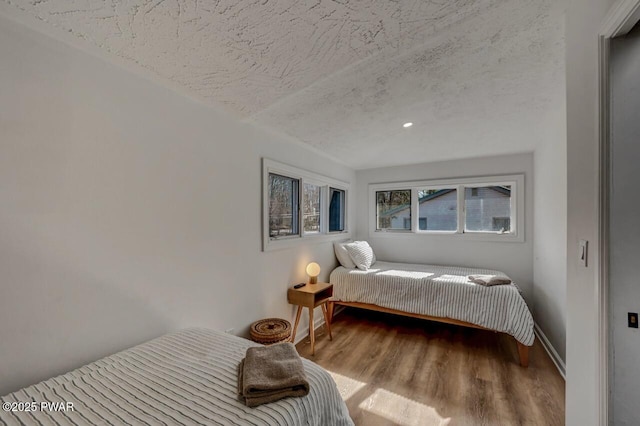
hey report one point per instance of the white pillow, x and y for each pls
(361, 254)
(342, 255)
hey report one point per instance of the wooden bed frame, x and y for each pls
(523, 350)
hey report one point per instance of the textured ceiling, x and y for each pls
(476, 77)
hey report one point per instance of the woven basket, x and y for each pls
(270, 330)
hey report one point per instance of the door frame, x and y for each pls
(620, 19)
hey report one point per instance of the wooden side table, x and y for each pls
(311, 296)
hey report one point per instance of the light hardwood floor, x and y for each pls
(397, 370)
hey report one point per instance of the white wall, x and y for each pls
(516, 259)
(624, 291)
(126, 210)
(583, 20)
(550, 229)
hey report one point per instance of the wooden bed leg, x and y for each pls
(523, 353)
(330, 307)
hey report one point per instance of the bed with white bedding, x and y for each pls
(187, 377)
(440, 293)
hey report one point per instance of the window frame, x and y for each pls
(327, 209)
(517, 205)
(412, 195)
(303, 177)
(416, 208)
(323, 201)
(295, 211)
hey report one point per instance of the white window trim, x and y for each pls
(304, 176)
(517, 208)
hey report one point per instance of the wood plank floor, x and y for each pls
(396, 370)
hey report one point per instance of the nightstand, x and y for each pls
(311, 296)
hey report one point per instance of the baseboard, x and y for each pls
(319, 322)
(304, 332)
(553, 354)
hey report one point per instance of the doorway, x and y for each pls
(624, 228)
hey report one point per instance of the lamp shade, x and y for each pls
(313, 270)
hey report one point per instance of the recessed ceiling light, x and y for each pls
(407, 125)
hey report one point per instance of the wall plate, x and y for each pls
(583, 252)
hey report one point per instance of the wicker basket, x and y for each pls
(270, 330)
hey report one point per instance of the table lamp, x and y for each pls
(313, 270)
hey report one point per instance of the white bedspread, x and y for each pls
(439, 291)
(188, 377)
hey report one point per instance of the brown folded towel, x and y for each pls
(270, 373)
(489, 280)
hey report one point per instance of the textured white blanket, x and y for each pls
(188, 378)
(439, 291)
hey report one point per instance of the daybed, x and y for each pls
(436, 293)
(187, 377)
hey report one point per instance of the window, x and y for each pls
(438, 209)
(393, 210)
(311, 208)
(488, 208)
(336, 210)
(301, 205)
(283, 206)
